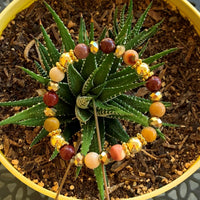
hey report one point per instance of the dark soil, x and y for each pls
(180, 79)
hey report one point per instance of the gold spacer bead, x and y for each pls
(119, 51)
(94, 47)
(138, 63)
(142, 139)
(104, 158)
(157, 96)
(53, 86)
(155, 122)
(126, 149)
(50, 112)
(78, 159)
(134, 145)
(57, 141)
(56, 132)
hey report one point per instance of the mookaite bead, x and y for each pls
(81, 51)
(157, 109)
(149, 134)
(50, 98)
(92, 160)
(56, 74)
(51, 124)
(117, 152)
(67, 152)
(153, 84)
(130, 57)
(107, 45)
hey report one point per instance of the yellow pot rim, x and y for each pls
(186, 10)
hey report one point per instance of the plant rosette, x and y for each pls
(86, 86)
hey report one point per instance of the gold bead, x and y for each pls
(156, 96)
(56, 74)
(143, 69)
(78, 159)
(138, 63)
(53, 86)
(126, 149)
(50, 112)
(57, 141)
(66, 59)
(94, 47)
(104, 158)
(119, 51)
(56, 132)
(134, 145)
(142, 139)
(155, 122)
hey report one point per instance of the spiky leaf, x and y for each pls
(54, 154)
(40, 69)
(82, 115)
(43, 133)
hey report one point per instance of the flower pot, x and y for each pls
(185, 9)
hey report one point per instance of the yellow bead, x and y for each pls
(56, 74)
(92, 160)
(57, 141)
(134, 145)
(149, 134)
(94, 47)
(155, 122)
(51, 124)
(156, 96)
(53, 86)
(50, 112)
(119, 51)
(157, 109)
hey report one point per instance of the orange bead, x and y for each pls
(92, 160)
(51, 124)
(149, 134)
(157, 109)
(56, 74)
(117, 152)
(130, 57)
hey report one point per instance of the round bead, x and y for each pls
(130, 57)
(153, 84)
(92, 160)
(149, 134)
(67, 152)
(117, 152)
(50, 98)
(81, 51)
(157, 109)
(56, 75)
(107, 45)
(51, 124)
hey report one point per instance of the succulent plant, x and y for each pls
(92, 95)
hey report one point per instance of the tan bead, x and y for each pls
(157, 109)
(56, 75)
(134, 145)
(51, 124)
(92, 160)
(155, 122)
(149, 134)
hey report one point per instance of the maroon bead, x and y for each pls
(153, 84)
(107, 45)
(67, 152)
(50, 98)
(81, 51)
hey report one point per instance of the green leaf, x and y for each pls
(103, 70)
(32, 122)
(70, 129)
(160, 134)
(53, 52)
(75, 80)
(155, 57)
(170, 125)
(97, 90)
(43, 133)
(138, 103)
(116, 64)
(88, 131)
(140, 21)
(63, 109)
(115, 21)
(33, 112)
(89, 66)
(82, 115)
(24, 102)
(91, 31)
(83, 101)
(65, 94)
(45, 56)
(82, 31)
(110, 93)
(54, 154)
(122, 13)
(35, 76)
(143, 36)
(64, 32)
(143, 50)
(40, 69)
(115, 130)
(156, 66)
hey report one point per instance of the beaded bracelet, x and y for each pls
(118, 151)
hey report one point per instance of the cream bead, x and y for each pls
(92, 160)
(56, 74)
